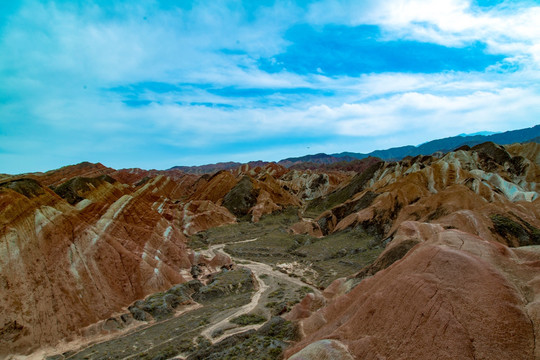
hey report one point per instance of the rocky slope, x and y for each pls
(81, 243)
(459, 275)
(472, 190)
(68, 263)
(454, 296)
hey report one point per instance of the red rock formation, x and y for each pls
(139, 176)
(308, 185)
(454, 296)
(306, 227)
(215, 187)
(199, 215)
(64, 267)
(435, 291)
(272, 169)
(463, 189)
(58, 176)
(261, 192)
(272, 196)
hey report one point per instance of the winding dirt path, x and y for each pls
(258, 269)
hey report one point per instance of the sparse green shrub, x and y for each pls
(204, 321)
(248, 319)
(217, 333)
(276, 294)
(525, 233)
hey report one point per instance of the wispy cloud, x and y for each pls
(161, 83)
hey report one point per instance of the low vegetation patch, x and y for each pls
(515, 233)
(278, 221)
(248, 319)
(267, 343)
(162, 305)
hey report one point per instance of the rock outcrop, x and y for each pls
(458, 278)
(70, 259)
(453, 296)
(471, 190)
(199, 215)
(80, 243)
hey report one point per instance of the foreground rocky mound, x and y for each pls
(454, 296)
(459, 277)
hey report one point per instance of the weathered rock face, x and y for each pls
(271, 169)
(242, 197)
(272, 196)
(73, 190)
(453, 296)
(486, 191)
(309, 185)
(458, 278)
(358, 183)
(139, 177)
(215, 187)
(67, 263)
(199, 215)
(252, 192)
(307, 227)
(59, 176)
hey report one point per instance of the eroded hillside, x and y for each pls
(81, 243)
(459, 275)
(432, 256)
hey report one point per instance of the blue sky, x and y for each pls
(154, 84)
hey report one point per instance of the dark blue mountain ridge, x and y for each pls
(531, 134)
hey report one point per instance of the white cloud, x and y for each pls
(453, 23)
(435, 116)
(507, 29)
(347, 12)
(60, 60)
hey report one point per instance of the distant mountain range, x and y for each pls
(444, 145)
(485, 133)
(212, 168)
(322, 160)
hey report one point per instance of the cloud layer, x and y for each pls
(152, 84)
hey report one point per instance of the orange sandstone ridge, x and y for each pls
(454, 296)
(460, 276)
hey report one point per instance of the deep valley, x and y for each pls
(408, 257)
